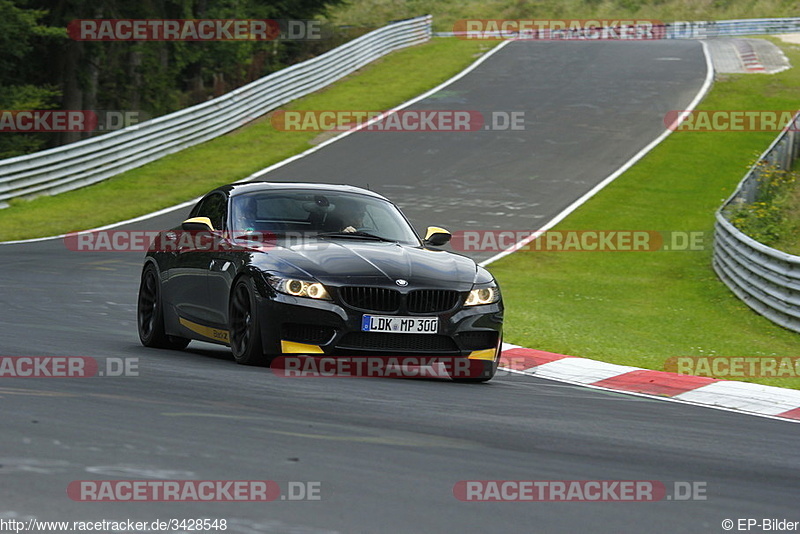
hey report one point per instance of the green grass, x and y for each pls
(789, 229)
(772, 219)
(179, 177)
(641, 308)
(374, 13)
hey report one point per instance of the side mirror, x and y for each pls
(197, 224)
(436, 236)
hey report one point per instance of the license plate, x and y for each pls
(400, 325)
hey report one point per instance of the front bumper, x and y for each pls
(307, 326)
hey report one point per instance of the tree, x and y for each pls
(152, 78)
(20, 89)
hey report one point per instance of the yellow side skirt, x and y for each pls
(206, 331)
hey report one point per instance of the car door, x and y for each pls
(193, 261)
(223, 264)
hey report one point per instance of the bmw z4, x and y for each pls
(273, 268)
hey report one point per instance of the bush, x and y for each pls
(770, 219)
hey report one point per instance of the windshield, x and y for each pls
(313, 213)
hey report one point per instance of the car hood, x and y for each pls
(352, 261)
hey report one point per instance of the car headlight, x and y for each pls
(483, 295)
(300, 288)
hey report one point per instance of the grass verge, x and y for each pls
(772, 219)
(381, 85)
(374, 13)
(789, 227)
(641, 308)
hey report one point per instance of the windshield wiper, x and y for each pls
(362, 235)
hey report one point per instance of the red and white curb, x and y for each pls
(748, 56)
(731, 395)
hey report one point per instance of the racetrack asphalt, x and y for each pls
(388, 452)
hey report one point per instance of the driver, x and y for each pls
(348, 216)
(247, 215)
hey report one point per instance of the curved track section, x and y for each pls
(388, 453)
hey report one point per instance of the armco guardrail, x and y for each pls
(731, 28)
(766, 279)
(671, 30)
(98, 158)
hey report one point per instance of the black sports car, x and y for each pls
(282, 268)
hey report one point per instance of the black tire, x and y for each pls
(244, 325)
(477, 375)
(150, 315)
